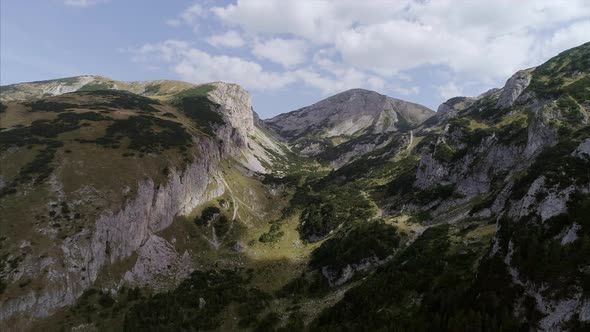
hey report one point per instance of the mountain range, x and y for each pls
(166, 205)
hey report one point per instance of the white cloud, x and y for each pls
(565, 38)
(229, 39)
(82, 3)
(287, 52)
(450, 90)
(334, 45)
(349, 79)
(405, 91)
(195, 65)
(485, 41)
(189, 16)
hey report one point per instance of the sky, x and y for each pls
(292, 53)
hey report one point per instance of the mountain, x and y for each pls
(347, 125)
(39, 89)
(90, 179)
(184, 211)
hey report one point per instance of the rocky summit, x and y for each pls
(165, 205)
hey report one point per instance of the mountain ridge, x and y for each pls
(436, 226)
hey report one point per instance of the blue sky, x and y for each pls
(291, 53)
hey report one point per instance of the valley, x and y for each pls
(169, 206)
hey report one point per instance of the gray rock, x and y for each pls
(514, 87)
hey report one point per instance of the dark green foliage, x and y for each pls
(274, 233)
(471, 137)
(451, 299)
(106, 300)
(201, 110)
(119, 99)
(364, 240)
(95, 86)
(197, 106)
(403, 124)
(152, 89)
(318, 220)
(209, 214)
(222, 225)
(43, 105)
(444, 152)
(402, 184)
(333, 152)
(514, 133)
(212, 216)
(146, 134)
(40, 132)
(3, 285)
(269, 322)
(548, 79)
(438, 192)
(182, 309)
(327, 203)
(8, 88)
(558, 166)
(309, 284)
(3, 107)
(580, 89)
(198, 91)
(568, 106)
(482, 204)
(562, 263)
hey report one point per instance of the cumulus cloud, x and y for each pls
(229, 39)
(450, 90)
(334, 45)
(482, 40)
(286, 52)
(189, 16)
(567, 37)
(195, 65)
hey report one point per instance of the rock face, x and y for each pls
(132, 232)
(236, 106)
(499, 180)
(514, 87)
(119, 234)
(40, 89)
(344, 127)
(349, 113)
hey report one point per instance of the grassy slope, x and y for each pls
(438, 278)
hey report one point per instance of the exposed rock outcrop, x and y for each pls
(514, 87)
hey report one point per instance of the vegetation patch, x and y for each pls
(95, 87)
(145, 134)
(43, 105)
(558, 166)
(43, 133)
(197, 106)
(368, 240)
(549, 78)
(118, 99)
(563, 263)
(196, 304)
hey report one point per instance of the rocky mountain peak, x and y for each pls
(349, 113)
(514, 87)
(236, 105)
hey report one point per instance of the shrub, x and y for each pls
(363, 240)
